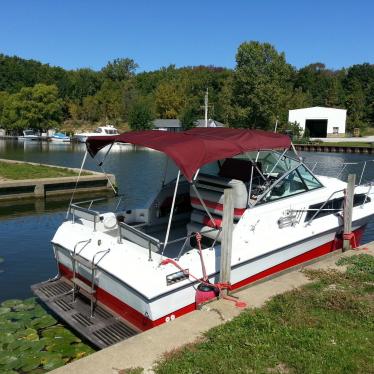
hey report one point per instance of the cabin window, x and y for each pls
(111, 132)
(98, 130)
(334, 206)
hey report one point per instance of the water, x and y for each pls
(27, 228)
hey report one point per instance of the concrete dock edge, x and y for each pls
(43, 187)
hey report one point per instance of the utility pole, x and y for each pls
(276, 125)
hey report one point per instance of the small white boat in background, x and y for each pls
(108, 130)
(59, 137)
(29, 134)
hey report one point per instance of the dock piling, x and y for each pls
(347, 212)
(226, 245)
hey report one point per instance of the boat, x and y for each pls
(123, 272)
(59, 137)
(30, 134)
(107, 130)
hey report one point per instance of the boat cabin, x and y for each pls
(193, 201)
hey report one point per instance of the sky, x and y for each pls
(88, 33)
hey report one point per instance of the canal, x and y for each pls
(27, 228)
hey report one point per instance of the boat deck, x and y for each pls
(102, 330)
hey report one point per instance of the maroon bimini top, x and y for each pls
(194, 148)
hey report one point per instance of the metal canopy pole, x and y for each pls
(100, 164)
(171, 212)
(203, 204)
(276, 164)
(295, 151)
(76, 183)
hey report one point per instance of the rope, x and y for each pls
(198, 239)
(219, 286)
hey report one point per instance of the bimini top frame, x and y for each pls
(192, 149)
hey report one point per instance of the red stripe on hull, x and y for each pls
(124, 310)
(217, 206)
(144, 323)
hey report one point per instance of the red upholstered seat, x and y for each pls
(211, 190)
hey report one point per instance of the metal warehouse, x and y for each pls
(320, 122)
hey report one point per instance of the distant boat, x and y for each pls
(60, 138)
(100, 131)
(29, 135)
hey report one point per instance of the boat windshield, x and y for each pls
(275, 175)
(29, 132)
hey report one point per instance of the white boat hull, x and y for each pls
(145, 313)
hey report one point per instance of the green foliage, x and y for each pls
(262, 88)
(120, 69)
(290, 128)
(31, 341)
(141, 117)
(35, 107)
(189, 115)
(261, 78)
(324, 327)
(169, 100)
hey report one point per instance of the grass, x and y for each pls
(18, 171)
(324, 327)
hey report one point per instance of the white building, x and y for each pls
(319, 121)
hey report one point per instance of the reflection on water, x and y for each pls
(26, 229)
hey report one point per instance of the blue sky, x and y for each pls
(88, 33)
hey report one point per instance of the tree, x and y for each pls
(359, 86)
(109, 101)
(120, 69)
(141, 116)
(169, 100)
(322, 84)
(355, 107)
(189, 115)
(35, 107)
(261, 78)
(4, 96)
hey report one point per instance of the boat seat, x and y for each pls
(211, 189)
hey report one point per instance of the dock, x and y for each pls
(44, 187)
(144, 349)
(325, 147)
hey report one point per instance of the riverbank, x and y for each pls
(253, 339)
(20, 180)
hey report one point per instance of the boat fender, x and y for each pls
(110, 221)
(204, 293)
